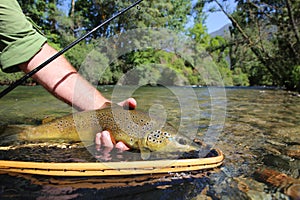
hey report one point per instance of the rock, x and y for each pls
(293, 151)
(288, 185)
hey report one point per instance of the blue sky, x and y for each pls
(217, 20)
(214, 20)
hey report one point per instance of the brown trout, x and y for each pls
(134, 128)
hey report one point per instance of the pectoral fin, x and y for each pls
(145, 153)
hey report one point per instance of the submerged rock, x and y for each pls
(293, 151)
(286, 184)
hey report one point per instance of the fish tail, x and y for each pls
(12, 133)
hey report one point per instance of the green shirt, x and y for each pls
(19, 41)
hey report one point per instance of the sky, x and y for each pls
(214, 20)
(217, 20)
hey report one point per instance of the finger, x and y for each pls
(98, 139)
(106, 153)
(129, 103)
(106, 139)
(121, 146)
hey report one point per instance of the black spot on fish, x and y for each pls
(182, 141)
(167, 134)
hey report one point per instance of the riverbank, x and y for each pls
(9, 78)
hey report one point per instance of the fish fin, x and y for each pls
(145, 154)
(12, 133)
(111, 105)
(107, 104)
(48, 119)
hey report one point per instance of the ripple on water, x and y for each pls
(262, 129)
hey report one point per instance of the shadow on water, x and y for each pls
(261, 130)
(163, 186)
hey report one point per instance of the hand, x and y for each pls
(104, 143)
(128, 104)
(103, 139)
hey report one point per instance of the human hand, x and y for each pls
(129, 103)
(103, 139)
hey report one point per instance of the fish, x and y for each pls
(135, 128)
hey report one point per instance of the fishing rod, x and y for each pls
(41, 66)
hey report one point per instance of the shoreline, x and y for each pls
(263, 87)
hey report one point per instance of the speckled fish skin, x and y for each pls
(135, 128)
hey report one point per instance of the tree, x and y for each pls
(171, 13)
(269, 29)
(63, 28)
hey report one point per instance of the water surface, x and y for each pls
(261, 127)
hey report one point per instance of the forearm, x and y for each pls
(63, 81)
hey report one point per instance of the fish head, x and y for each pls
(157, 139)
(166, 141)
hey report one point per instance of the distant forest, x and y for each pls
(262, 45)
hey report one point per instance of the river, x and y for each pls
(255, 128)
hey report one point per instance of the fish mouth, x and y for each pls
(175, 146)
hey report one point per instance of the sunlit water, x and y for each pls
(261, 126)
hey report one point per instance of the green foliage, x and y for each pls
(239, 78)
(217, 49)
(93, 68)
(263, 48)
(296, 77)
(171, 14)
(199, 33)
(9, 78)
(266, 41)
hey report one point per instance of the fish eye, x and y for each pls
(166, 134)
(182, 141)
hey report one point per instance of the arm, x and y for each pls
(63, 81)
(22, 46)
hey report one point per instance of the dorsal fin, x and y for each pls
(107, 104)
(48, 119)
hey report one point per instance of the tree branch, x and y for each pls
(295, 28)
(254, 49)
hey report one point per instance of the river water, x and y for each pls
(255, 128)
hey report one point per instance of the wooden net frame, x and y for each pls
(112, 168)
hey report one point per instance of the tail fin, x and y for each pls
(9, 134)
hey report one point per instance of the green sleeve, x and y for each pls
(19, 41)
